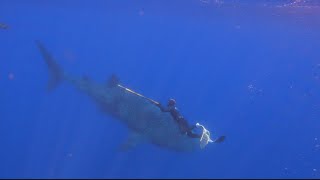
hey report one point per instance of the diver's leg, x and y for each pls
(192, 127)
(192, 135)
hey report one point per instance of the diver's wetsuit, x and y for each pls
(183, 124)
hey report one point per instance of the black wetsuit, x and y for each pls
(183, 124)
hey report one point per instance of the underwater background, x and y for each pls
(249, 70)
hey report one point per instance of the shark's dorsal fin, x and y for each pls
(113, 81)
(132, 141)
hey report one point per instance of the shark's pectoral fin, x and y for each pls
(133, 140)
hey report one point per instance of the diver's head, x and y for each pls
(171, 102)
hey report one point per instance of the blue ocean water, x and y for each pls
(250, 71)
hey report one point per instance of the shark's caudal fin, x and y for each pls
(56, 73)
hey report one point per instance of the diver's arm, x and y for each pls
(163, 109)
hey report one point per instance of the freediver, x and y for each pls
(184, 126)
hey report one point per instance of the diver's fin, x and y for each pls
(133, 140)
(113, 81)
(54, 68)
(220, 139)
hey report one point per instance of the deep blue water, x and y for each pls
(245, 70)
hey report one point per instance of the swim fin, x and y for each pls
(220, 139)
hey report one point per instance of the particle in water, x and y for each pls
(141, 12)
(70, 155)
(286, 170)
(10, 76)
(250, 87)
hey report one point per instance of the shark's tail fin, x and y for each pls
(56, 73)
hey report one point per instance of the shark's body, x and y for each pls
(145, 120)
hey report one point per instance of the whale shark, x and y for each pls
(145, 121)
